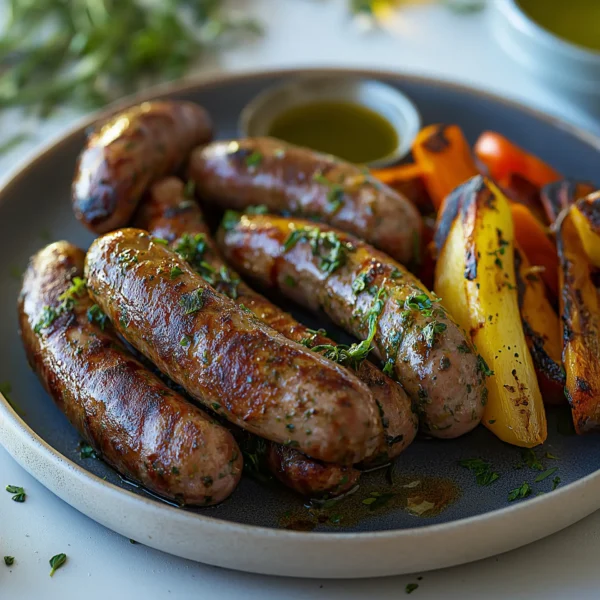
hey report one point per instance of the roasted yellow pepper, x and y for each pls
(586, 217)
(580, 311)
(475, 276)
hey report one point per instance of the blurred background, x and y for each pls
(63, 58)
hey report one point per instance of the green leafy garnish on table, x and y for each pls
(481, 469)
(56, 562)
(9, 560)
(19, 494)
(88, 52)
(519, 493)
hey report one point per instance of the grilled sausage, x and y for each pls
(224, 356)
(167, 213)
(309, 477)
(365, 291)
(127, 153)
(294, 180)
(147, 432)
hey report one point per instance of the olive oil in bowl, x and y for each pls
(351, 131)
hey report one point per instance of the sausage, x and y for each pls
(224, 356)
(127, 153)
(293, 180)
(309, 477)
(167, 213)
(147, 432)
(365, 291)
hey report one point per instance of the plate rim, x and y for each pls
(37, 444)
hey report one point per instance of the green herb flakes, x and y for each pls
(175, 272)
(482, 470)
(19, 493)
(411, 587)
(254, 160)
(9, 561)
(545, 474)
(192, 302)
(86, 451)
(555, 483)
(95, 315)
(519, 493)
(56, 562)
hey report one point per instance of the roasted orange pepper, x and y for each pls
(503, 158)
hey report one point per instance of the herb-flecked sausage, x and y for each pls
(147, 432)
(371, 296)
(128, 152)
(168, 213)
(224, 356)
(294, 180)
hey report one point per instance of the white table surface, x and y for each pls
(426, 40)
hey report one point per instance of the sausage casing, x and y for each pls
(167, 213)
(127, 153)
(293, 180)
(360, 287)
(224, 356)
(147, 432)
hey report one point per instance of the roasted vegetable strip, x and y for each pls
(475, 274)
(445, 159)
(542, 330)
(503, 158)
(586, 217)
(533, 240)
(580, 313)
(408, 181)
(561, 194)
(373, 298)
(168, 214)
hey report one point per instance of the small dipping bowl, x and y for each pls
(259, 116)
(574, 71)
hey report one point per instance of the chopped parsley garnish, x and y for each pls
(257, 209)
(377, 500)
(545, 474)
(230, 219)
(483, 367)
(360, 283)
(95, 315)
(192, 302)
(191, 248)
(431, 330)
(420, 302)
(86, 451)
(324, 244)
(67, 301)
(555, 483)
(9, 561)
(388, 369)
(56, 562)
(463, 348)
(19, 493)
(481, 469)
(411, 587)
(160, 241)
(175, 272)
(519, 493)
(184, 341)
(335, 193)
(354, 355)
(530, 458)
(254, 160)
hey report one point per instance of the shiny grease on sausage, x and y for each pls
(167, 213)
(147, 432)
(358, 287)
(128, 152)
(225, 357)
(293, 180)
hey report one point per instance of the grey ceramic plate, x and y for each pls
(248, 531)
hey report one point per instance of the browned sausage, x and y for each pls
(224, 356)
(147, 432)
(127, 153)
(309, 477)
(294, 180)
(167, 213)
(365, 291)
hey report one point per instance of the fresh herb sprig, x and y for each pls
(88, 52)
